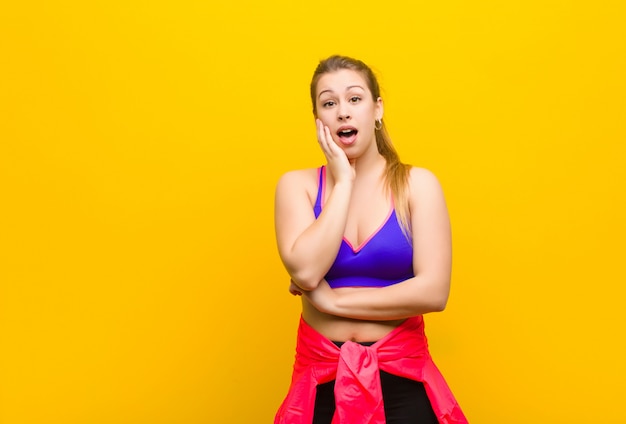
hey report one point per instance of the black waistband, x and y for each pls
(338, 344)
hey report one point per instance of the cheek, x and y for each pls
(324, 117)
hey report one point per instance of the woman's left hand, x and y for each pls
(322, 297)
(294, 289)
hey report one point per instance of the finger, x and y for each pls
(319, 127)
(332, 146)
(295, 292)
(324, 139)
(293, 288)
(320, 137)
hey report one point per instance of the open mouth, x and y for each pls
(347, 134)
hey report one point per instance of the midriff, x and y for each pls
(341, 329)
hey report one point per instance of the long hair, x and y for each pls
(396, 172)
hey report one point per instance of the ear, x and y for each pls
(379, 108)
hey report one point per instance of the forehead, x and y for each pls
(340, 81)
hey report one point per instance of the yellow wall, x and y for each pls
(140, 143)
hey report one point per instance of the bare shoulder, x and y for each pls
(423, 181)
(298, 177)
(297, 181)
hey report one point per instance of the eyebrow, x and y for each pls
(347, 88)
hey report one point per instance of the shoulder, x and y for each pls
(423, 183)
(299, 176)
(422, 178)
(298, 181)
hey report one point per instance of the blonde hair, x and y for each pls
(396, 172)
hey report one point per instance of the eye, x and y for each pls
(328, 103)
(355, 99)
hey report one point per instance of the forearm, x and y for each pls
(416, 296)
(314, 251)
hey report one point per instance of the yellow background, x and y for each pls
(140, 144)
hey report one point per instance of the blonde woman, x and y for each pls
(366, 241)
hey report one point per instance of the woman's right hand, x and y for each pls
(337, 160)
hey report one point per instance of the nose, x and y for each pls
(343, 115)
(342, 112)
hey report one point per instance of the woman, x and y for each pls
(366, 241)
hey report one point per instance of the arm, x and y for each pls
(308, 246)
(428, 290)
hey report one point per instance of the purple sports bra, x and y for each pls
(383, 259)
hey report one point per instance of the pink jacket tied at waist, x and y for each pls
(358, 396)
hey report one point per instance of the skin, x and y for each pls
(354, 208)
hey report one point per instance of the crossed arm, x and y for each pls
(428, 290)
(308, 246)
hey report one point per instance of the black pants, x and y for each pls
(405, 401)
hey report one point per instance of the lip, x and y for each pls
(346, 141)
(345, 127)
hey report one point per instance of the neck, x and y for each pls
(368, 166)
(369, 162)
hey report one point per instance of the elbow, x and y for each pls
(438, 294)
(439, 302)
(439, 305)
(303, 275)
(306, 281)
(436, 301)
(307, 285)
(428, 305)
